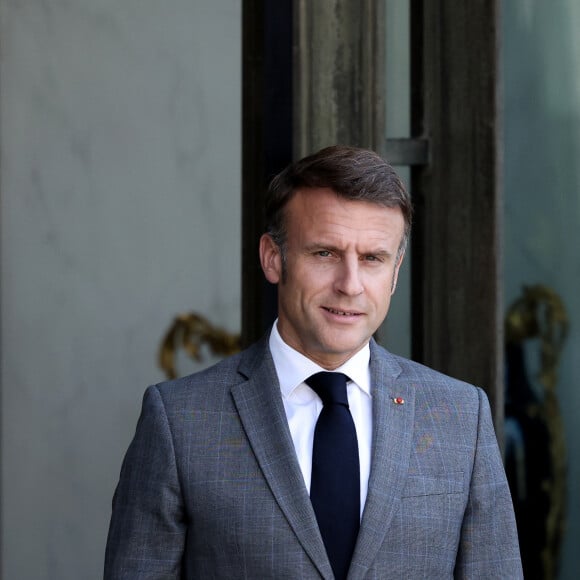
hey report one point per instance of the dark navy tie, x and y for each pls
(335, 483)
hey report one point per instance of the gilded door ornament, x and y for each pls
(535, 440)
(190, 332)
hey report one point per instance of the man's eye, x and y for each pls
(323, 253)
(373, 258)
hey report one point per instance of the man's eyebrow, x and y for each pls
(322, 246)
(334, 248)
(379, 252)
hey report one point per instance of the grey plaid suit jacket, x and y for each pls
(211, 487)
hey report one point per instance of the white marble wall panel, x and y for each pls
(120, 188)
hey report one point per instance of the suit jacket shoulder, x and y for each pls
(211, 386)
(413, 371)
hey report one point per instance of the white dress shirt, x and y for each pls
(302, 404)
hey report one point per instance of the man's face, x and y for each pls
(341, 271)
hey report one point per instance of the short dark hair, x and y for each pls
(352, 173)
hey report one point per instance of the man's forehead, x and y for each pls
(326, 205)
(325, 199)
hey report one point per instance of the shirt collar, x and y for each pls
(293, 368)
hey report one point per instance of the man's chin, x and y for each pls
(343, 349)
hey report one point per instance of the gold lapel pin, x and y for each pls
(398, 400)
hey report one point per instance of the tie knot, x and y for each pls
(330, 387)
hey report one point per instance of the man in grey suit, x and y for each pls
(217, 481)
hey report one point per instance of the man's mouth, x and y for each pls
(342, 312)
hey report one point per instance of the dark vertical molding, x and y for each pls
(456, 245)
(252, 160)
(339, 74)
(418, 130)
(266, 142)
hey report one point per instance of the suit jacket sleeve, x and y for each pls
(148, 527)
(489, 542)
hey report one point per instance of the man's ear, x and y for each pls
(270, 259)
(396, 273)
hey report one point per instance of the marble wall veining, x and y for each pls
(120, 189)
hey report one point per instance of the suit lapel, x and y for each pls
(391, 447)
(259, 404)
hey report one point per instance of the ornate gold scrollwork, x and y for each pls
(540, 313)
(189, 332)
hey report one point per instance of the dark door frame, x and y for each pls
(457, 314)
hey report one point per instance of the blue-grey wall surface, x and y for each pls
(540, 56)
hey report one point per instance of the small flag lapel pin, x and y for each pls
(398, 400)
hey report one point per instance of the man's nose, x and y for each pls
(348, 280)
